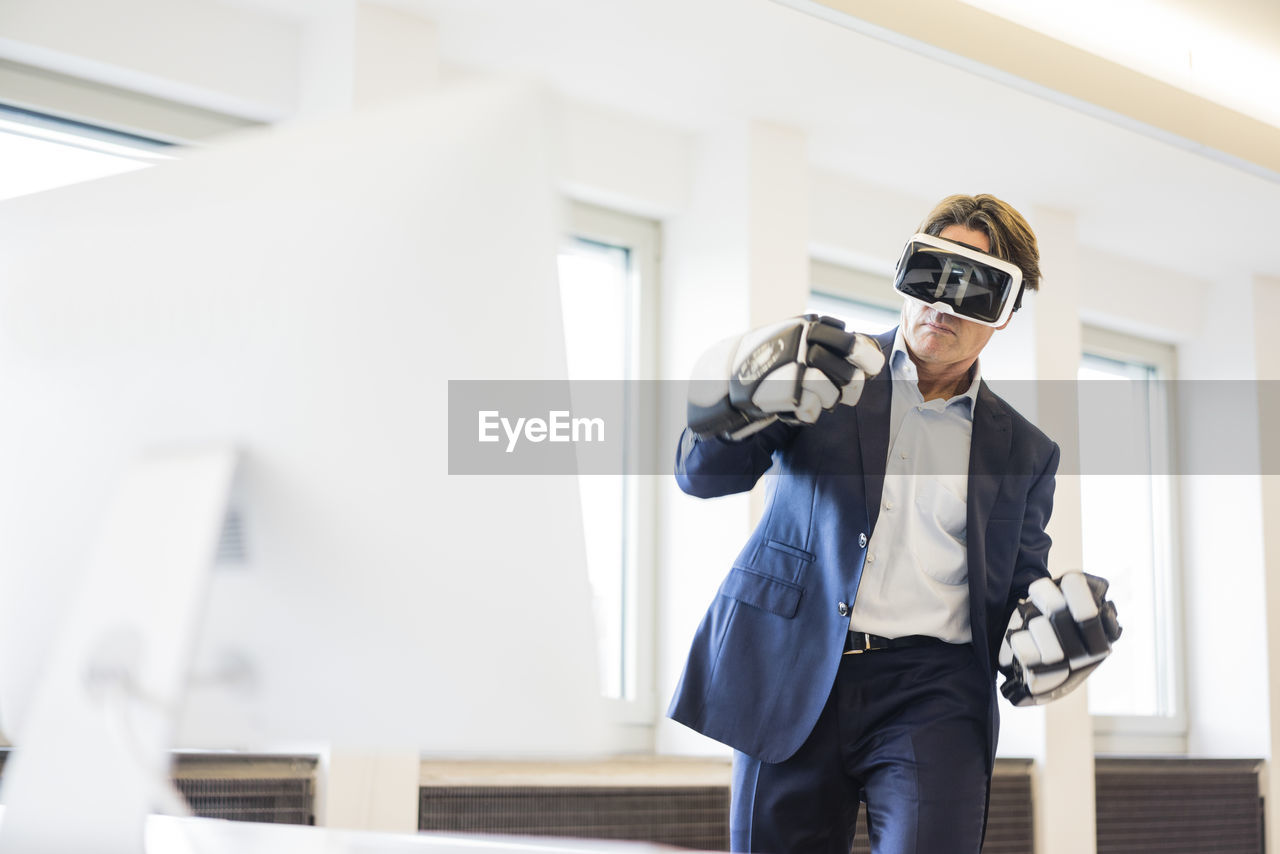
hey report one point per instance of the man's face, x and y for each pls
(943, 340)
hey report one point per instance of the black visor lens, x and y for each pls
(971, 288)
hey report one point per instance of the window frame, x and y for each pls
(634, 718)
(1152, 734)
(99, 107)
(65, 134)
(861, 287)
(868, 287)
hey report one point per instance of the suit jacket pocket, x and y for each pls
(778, 560)
(1008, 510)
(760, 591)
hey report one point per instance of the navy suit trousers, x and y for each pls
(905, 731)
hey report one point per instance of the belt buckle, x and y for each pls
(866, 640)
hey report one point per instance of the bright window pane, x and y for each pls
(857, 316)
(1126, 539)
(32, 160)
(594, 291)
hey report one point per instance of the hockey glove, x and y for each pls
(789, 371)
(1056, 637)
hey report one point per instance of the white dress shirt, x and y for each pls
(915, 579)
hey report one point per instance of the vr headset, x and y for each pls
(957, 279)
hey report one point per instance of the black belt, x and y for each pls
(858, 642)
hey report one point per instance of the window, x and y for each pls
(42, 153)
(866, 302)
(608, 279)
(101, 109)
(1127, 514)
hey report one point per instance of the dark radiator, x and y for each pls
(689, 817)
(1179, 806)
(244, 787)
(684, 816)
(272, 789)
(1174, 806)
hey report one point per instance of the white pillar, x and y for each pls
(1223, 530)
(778, 223)
(736, 257)
(396, 55)
(326, 59)
(1266, 298)
(364, 790)
(354, 54)
(1064, 775)
(777, 234)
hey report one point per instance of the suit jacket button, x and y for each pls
(862, 541)
(843, 609)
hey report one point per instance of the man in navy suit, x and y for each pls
(851, 651)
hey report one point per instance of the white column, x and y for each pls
(777, 234)
(1266, 297)
(326, 59)
(1064, 776)
(736, 257)
(778, 223)
(366, 790)
(396, 55)
(1224, 584)
(355, 54)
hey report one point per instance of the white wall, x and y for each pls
(617, 161)
(214, 55)
(268, 60)
(860, 224)
(1266, 300)
(1127, 296)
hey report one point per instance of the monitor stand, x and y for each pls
(92, 752)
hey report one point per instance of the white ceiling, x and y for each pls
(881, 114)
(1257, 21)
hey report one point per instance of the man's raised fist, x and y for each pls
(789, 371)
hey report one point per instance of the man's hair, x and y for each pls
(1011, 237)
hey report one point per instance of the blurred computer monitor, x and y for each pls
(307, 293)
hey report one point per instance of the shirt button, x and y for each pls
(862, 541)
(871, 558)
(902, 454)
(888, 505)
(843, 609)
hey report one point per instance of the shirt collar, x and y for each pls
(903, 369)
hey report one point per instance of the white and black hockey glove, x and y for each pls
(1056, 637)
(789, 371)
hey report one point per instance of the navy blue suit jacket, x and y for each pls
(765, 656)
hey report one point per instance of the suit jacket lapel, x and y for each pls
(988, 463)
(873, 429)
